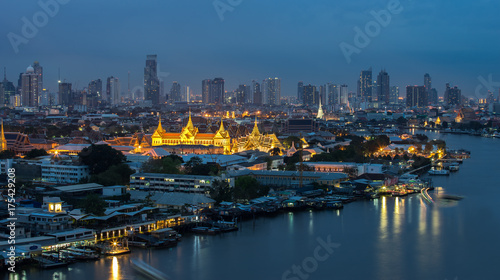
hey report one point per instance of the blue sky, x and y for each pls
(453, 41)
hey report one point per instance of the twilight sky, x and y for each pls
(454, 41)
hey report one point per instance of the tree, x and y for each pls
(93, 204)
(220, 191)
(7, 154)
(206, 169)
(275, 151)
(115, 175)
(35, 153)
(428, 148)
(100, 157)
(167, 165)
(247, 188)
(292, 139)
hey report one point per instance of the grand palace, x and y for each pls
(212, 140)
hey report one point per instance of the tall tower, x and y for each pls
(320, 111)
(383, 87)
(151, 81)
(257, 93)
(175, 92)
(39, 71)
(30, 88)
(365, 85)
(300, 92)
(272, 91)
(217, 91)
(65, 94)
(113, 90)
(416, 96)
(205, 90)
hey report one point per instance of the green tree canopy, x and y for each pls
(221, 191)
(100, 157)
(7, 154)
(247, 188)
(115, 175)
(167, 165)
(93, 204)
(35, 153)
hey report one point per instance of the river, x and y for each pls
(385, 238)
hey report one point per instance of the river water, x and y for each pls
(385, 238)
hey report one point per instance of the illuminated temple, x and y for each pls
(220, 138)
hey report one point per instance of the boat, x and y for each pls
(453, 168)
(441, 172)
(115, 250)
(81, 254)
(206, 230)
(450, 196)
(147, 270)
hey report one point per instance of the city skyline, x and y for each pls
(232, 55)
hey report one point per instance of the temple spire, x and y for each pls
(160, 128)
(221, 128)
(3, 141)
(255, 128)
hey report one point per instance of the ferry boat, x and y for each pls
(441, 172)
(81, 254)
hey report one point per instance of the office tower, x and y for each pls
(257, 93)
(175, 92)
(309, 92)
(452, 95)
(300, 92)
(365, 85)
(2, 95)
(205, 90)
(394, 99)
(322, 94)
(333, 94)
(188, 94)
(383, 87)
(217, 91)
(433, 96)
(427, 82)
(344, 94)
(416, 96)
(39, 71)
(30, 88)
(242, 94)
(65, 94)
(95, 93)
(151, 81)
(113, 91)
(8, 88)
(272, 91)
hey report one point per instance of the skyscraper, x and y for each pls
(243, 94)
(217, 91)
(343, 94)
(452, 95)
(205, 90)
(394, 95)
(175, 92)
(333, 94)
(416, 96)
(8, 89)
(151, 81)
(39, 71)
(257, 93)
(2, 94)
(322, 94)
(365, 85)
(65, 94)
(272, 91)
(428, 86)
(30, 88)
(113, 91)
(300, 92)
(94, 95)
(383, 87)
(309, 92)
(433, 96)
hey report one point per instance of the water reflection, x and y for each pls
(115, 269)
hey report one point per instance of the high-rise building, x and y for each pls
(322, 94)
(151, 81)
(309, 92)
(243, 94)
(344, 94)
(8, 89)
(175, 92)
(2, 94)
(272, 91)
(365, 85)
(428, 86)
(94, 94)
(39, 71)
(300, 92)
(257, 93)
(217, 93)
(113, 91)
(452, 95)
(383, 87)
(206, 85)
(333, 94)
(30, 88)
(394, 95)
(65, 94)
(416, 96)
(433, 96)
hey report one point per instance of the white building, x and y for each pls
(63, 172)
(174, 182)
